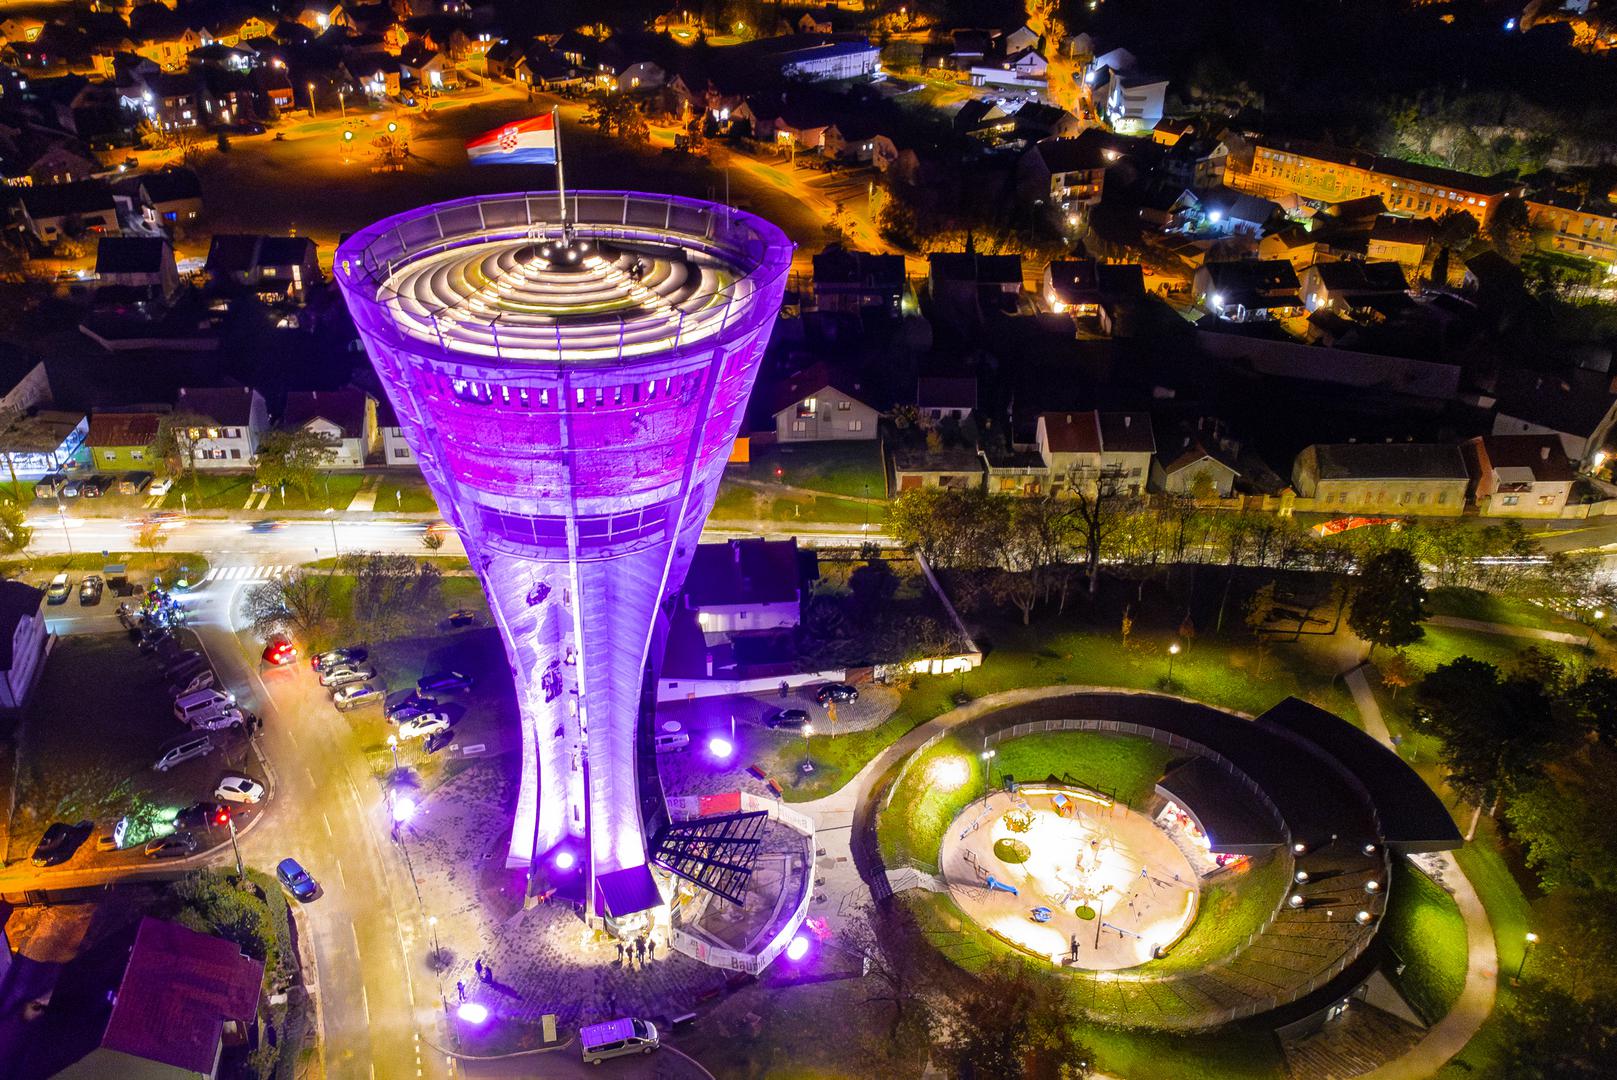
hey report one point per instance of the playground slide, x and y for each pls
(994, 883)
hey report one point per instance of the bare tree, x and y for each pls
(887, 944)
(1098, 507)
(299, 603)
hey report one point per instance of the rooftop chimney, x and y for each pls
(1544, 453)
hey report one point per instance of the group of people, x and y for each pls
(641, 949)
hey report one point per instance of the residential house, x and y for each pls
(852, 281)
(1223, 211)
(1083, 449)
(273, 84)
(1071, 287)
(426, 66)
(1333, 174)
(1130, 100)
(36, 155)
(1577, 226)
(984, 119)
(747, 585)
(820, 404)
(1351, 286)
(815, 58)
(955, 468)
(1036, 121)
(1519, 475)
(51, 212)
(1579, 407)
(946, 397)
(1072, 172)
(346, 417)
(1019, 39)
(856, 139)
(1248, 290)
(45, 441)
(144, 264)
(1196, 470)
(23, 638)
(184, 998)
(171, 101)
(236, 420)
(1382, 478)
(504, 59)
(967, 281)
(1400, 240)
(170, 197)
(279, 267)
(121, 442)
(396, 449)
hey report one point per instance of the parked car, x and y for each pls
(202, 679)
(296, 880)
(357, 695)
(107, 841)
(279, 652)
(60, 842)
(462, 617)
(161, 487)
(840, 693)
(240, 789)
(787, 718)
(193, 746)
(49, 486)
(90, 590)
(345, 674)
(426, 724)
(95, 486)
(199, 815)
(438, 740)
(671, 742)
(56, 592)
(250, 127)
(351, 654)
(443, 682)
(173, 846)
(134, 483)
(71, 487)
(414, 705)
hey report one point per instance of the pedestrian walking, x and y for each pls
(640, 949)
(651, 948)
(620, 952)
(460, 989)
(479, 968)
(488, 973)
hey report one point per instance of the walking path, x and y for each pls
(1508, 630)
(1449, 1035)
(365, 498)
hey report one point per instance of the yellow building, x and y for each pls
(1331, 174)
(1576, 227)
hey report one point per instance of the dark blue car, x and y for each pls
(443, 682)
(296, 880)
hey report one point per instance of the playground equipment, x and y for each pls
(994, 883)
(1041, 914)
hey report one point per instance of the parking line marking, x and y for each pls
(344, 879)
(354, 930)
(310, 774)
(327, 820)
(365, 1000)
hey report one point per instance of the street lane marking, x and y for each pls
(329, 836)
(365, 1000)
(344, 879)
(354, 930)
(310, 774)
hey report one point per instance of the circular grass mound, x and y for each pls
(1085, 912)
(1010, 850)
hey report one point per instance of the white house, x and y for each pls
(22, 642)
(1519, 475)
(1078, 448)
(396, 451)
(1197, 470)
(347, 417)
(1019, 39)
(237, 418)
(744, 585)
(812, 406)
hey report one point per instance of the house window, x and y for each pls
(137, 455)
(799, 426)
(1546, 500)
(856, 425)
(1442, 496)
(109, 455)
(1512, 500)
(235, 454)
(401, 451)
(844, 406)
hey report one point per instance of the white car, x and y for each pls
(239, 789)
(426, 724)
(161, 487)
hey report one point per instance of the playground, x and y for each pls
(1067, 874)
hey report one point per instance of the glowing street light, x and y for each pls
(393, 745)
(797, 948)
(1173, 651)
(404, 809)
(807, 766)
(311, 102)
(472, 1012)
(1532, 939)
(988, 756)
(720, 747)
(565, 860)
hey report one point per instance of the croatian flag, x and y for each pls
(526, 142)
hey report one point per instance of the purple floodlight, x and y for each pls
(572, 392)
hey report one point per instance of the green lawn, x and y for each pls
(840, 468)
(1228, 912)
(405, 493)
(737, 502)
(1424, 927)
(139, 564)
(213, 491)
(1491, 607)
(1440, 644)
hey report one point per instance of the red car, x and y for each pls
(280, 651)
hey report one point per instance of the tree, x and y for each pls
(299, 603)
(1509, 229)
(293, 456)
(1096, 512)
(1260, 608)
(873, 586)
(432, 539)
(389, 591)
(1496, 733)
(888, 943)
(1388, 600)
(1548, 1034)
(15, 532)
(175, 446)
(1397, 673)
(1566, 822)
(1014, 1021)
(1592, 703)
(150, 536)
(616, 114)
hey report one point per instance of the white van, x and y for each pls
(671, 742)
(219, 719)
(617, 1038)
(195, 747)
(200, 703)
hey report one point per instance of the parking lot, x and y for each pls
(99, 720)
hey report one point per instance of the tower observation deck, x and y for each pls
(572, 392)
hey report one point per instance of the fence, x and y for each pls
(703, 951)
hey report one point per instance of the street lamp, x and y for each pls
(311, 101)
(342, 104)
(61, 513)
(229, 819)
(1596, 616)
(1532, 939)
(807, 766)
(1173, 651)
(988, 770)
(393, 745)
(331, 513)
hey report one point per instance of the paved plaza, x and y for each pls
(1096, 874)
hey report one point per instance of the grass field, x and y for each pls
(139, 564)
(737, 502)
(1424, 927)
(1229, 911)
(212, 491)
(838, 468)
(1490, 607)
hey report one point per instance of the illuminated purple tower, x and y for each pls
(572, 392)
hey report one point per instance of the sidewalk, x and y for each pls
(1508, 630)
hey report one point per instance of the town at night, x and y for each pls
(931, 539)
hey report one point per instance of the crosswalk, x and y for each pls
(244, 573)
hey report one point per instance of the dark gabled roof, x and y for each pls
(18, 600)
(970, 266)
(1355, 276)
(946, 391)
(122, 429)
(744, 572)
(1541, 455)
(843, 266)
(279, 251)
(1237, 205)
(60, 200)
(1072, 433)
(1397, 230)
(1073, 281)
(231, 253)
(1121, 281)
(231, 405)
(1255, 275)
(343, 408)
(172, 84)
(1566, 200)
(1094, 148)
(1389, 461)
(1197, 452)
(1127, 433)
(810, 381)
(177, 992)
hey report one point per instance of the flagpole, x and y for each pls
(561, 176)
